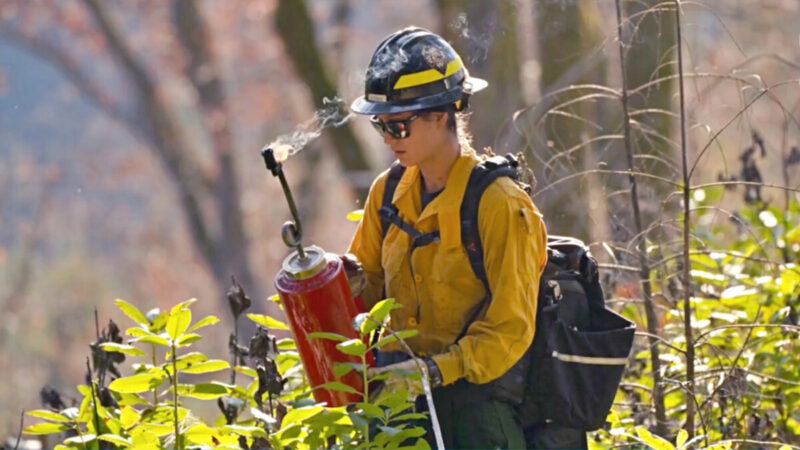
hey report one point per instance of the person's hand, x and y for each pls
(403, 375)
(354, 273)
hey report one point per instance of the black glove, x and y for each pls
(354, 273)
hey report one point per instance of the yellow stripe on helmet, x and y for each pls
(427, 76)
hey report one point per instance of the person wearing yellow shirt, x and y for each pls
(417, 91)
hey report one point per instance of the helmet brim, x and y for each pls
(369, 107)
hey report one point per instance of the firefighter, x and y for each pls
(417, 93)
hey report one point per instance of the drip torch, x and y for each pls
(313, 288)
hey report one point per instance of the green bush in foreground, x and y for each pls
(275, 409)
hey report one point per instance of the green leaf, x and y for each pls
(188, 339)
(182, 305)
(408, 416)
(326, 335)
(793, 235)
(128, 417)
(81, 439)
(247, 371)
(138, 332)
(262, 416)
(248, 431)
(337, 386)
(153, 339)
(738, 295)
(298, 415)
(159, 322)
(48, 415)
(122, 348)
(157, 429)
(189, 360)
(132, 312)
(381, 310)
(267, 321)
(790, 278)
(145, 439)
(341, 369)
(683, 435)
(355, 347)
(355, 216)
(286, 344)
(178, 322)
(371, 410)
(204, 322)
(201, 434)
(207, 366)
(402, 334)
(46, 428)
(117, 440)
(653, 441)
(203, 391)
(136, 383)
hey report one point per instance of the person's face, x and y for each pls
(425, 133)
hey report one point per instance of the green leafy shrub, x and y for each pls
(146, 408)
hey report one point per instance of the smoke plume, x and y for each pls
(332, 114)
(478, 39)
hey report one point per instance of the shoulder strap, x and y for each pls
(481, 177)
(395, 174)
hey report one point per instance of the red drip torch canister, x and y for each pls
(316, 297)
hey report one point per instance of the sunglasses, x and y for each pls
(398, 129)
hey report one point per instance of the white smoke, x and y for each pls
(388, 61)
(478, 41)
(332, 114)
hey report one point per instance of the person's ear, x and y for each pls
(441, 119)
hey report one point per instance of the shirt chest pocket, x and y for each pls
(456, 290)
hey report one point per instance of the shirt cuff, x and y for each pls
(450, 366)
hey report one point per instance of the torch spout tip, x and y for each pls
(270, 161)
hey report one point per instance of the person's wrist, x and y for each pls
(434, 374)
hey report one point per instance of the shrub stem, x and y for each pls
(687, 282)
(644, 265)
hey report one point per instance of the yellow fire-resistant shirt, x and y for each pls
(435, 283)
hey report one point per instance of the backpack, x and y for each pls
(570, 373)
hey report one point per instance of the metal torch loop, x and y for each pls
(291, 232)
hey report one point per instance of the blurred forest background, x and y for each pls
(130, 134)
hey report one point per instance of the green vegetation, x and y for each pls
(146, 409)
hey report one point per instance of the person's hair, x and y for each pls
(458, 123)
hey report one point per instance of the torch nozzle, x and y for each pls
(269, 159)
(291, 232)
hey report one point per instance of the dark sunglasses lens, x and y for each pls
(396, 129)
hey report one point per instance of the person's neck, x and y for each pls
(435, 171)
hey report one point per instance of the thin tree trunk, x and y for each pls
(570, 37)
(203, 71)
(171, 148)
(294, 25)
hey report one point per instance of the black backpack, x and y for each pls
(570, 373)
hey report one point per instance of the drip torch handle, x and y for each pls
(291, 232)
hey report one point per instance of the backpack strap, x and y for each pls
(395, 174)
(481, 177)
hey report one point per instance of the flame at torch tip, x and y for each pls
(281, 151)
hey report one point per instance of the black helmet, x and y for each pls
(415, 69)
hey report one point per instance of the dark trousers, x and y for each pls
(468, 418)
(471, 420)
